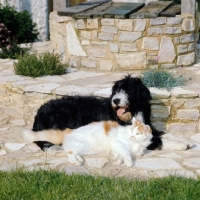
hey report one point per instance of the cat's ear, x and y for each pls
(148, 128)
(133, 121)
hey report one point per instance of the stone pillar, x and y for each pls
(60, 4)
(188, 7)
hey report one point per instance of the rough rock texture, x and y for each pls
(128, 43)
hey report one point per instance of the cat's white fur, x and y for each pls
(123, 142)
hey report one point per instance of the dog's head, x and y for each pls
(129, 95)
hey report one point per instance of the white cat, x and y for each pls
(99, 137)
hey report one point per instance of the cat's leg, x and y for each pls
(121, 153)
(74, 158)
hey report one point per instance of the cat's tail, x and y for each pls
(53, 136)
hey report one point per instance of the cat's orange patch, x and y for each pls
(142, 129)
(108, 125)
(68, 131)
(70, 152)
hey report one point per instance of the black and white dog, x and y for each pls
(130, 97)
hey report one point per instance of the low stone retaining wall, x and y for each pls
(20, 97)
(124, 44)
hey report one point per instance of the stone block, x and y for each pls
(96, 52)
(2, 92)
(177, 40)
(191, 47)
(85, 42)
(150, 43)
(161, 126)
(106, 37)
(177, 103)
(192, 103)
(182, 93)
(166, 52)
(131, 61)
(86, 34)
(187, 38)
(188, 7)
(188, 25)
(152, 61)
(13, 112)
(140, 24)
(73, 43)
(3, 118)
(114, 48)
(160, 112)
(94, 35)
(183, 128)
(153, 66)
(155, 164)
(187, 59)
(174, 20)
(159, 93)
(182, 49)
(92, 23)
(168, 66)
(154, 31)
(80, 24)
(109, 29)
(172, 30)
(107, 22)
(124, 24)
(73, 62)
(158, 21)
(88, 63)
(99, 44)
(188, 114)
(129, 47)
(129, 36)
(106, 65)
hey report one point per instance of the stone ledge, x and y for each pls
(176, 110)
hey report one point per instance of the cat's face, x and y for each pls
(139, 131)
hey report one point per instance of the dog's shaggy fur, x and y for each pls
(130, 97)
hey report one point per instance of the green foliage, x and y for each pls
(39, 65)
(162, 79)
(19, 23)
(54, 185)
(8, 44)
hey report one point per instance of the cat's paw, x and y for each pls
(79, 159)
(74, 161)
(128, 162)
(118, 161)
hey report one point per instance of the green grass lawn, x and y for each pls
(54, 185)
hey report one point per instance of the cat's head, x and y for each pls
(140, 131)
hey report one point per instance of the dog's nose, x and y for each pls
(116, 101)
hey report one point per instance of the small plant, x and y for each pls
(8, 44)
(162, 79)
(34, 65)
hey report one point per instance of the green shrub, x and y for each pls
(162, 79)
(19, 23)
(39, 65)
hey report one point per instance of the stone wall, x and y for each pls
(124, 44)
(176, 111)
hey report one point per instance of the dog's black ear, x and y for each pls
(143, 94)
